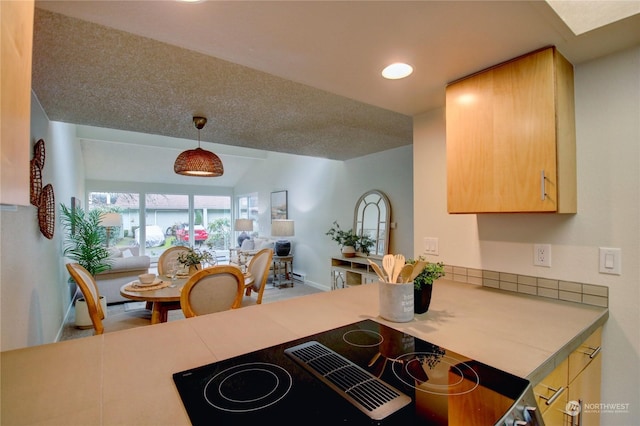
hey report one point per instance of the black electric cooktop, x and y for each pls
(362, 373)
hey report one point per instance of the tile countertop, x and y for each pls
(126, 377)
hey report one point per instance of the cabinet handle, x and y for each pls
(543, 191)
(551, 400)
(595, 352)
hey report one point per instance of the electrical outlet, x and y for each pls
(542, 255)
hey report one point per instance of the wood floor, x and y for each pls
(123, 316)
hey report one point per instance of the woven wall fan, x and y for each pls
(42, 197)
(47, 212)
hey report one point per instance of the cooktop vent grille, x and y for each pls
(368, 393)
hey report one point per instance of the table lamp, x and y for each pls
(243, 225)
(110, 220)
(282, 228)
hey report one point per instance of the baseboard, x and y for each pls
(317, 285)
(64, 320)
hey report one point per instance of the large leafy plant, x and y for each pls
(84, 239)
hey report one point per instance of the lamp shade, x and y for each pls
(282, 228)
(111, 219)
(243, 225)
(198, 162)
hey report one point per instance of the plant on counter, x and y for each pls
(194, 257)
(430, 273)
(350, 239)
(83, 243)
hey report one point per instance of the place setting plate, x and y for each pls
(154, 282)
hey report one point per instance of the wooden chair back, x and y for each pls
(213, 289)
(90, 292)
(259, 267)
(168, 256)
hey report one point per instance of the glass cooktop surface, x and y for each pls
(362, 373)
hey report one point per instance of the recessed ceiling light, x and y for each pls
(397, 71)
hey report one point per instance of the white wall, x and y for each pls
(321, 191)
(608, 166)
(33, 285)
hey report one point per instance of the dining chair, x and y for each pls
(259, 267)
(90, 292)
(213, 289)
(169, 256)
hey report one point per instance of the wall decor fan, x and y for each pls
(42, 197)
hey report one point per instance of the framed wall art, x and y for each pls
(279, 208)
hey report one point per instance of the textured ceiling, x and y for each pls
(89, 74)
(297, 77)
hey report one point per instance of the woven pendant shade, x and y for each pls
(198, 162)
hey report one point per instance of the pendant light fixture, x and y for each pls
(198, 162)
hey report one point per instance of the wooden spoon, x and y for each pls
(417, 268)
(387, 263)
(405, 273)
(377, 269)
(397, 267)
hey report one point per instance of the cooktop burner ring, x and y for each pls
(405, 368)
(269, 382)
(363, 338)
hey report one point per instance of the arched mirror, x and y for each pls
(372, 216)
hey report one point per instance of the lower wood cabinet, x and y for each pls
(566, 396)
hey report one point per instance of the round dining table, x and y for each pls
(165, 295)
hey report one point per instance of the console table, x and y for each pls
(350, 271)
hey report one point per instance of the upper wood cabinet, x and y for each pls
(511, 137)
(15, 115)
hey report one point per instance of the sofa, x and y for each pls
(126, 265)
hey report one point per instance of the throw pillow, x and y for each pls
(269, 244)
(127, 253)
(114, 252)
(247, 245)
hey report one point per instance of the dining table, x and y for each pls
(164, 294)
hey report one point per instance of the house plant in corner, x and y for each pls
(423, 283)
(349, 241)
(84, 245)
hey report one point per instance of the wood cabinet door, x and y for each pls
(585, 389)
(15, 110)
(501, 138)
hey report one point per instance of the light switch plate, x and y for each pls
(431, 246)
(610, 261)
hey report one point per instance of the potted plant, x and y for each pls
(423, 283)
(84, 240)
(194, 258)
(349, 241)
(84, 245)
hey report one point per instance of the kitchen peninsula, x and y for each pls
(126, 377)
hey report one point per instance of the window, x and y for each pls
(128, 205)
(212, 221)
(248, 209)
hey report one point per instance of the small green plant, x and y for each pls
(430, 273)
(350, 239)
(194, 256)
